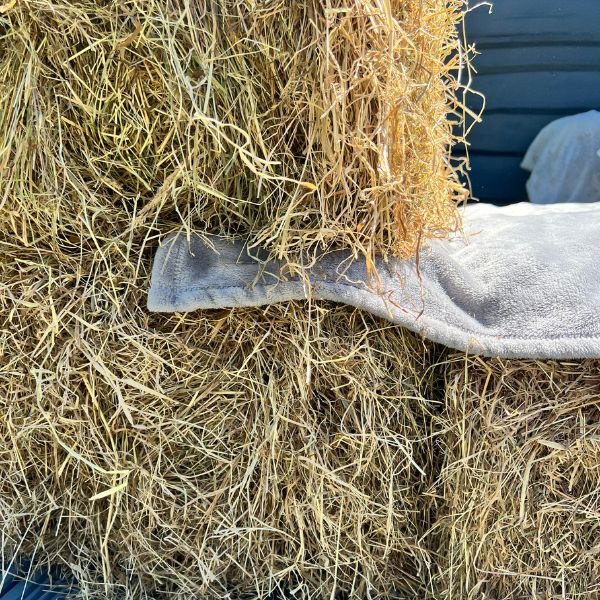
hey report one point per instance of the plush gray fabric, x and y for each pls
(524, 282)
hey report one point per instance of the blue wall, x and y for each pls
(539, 61)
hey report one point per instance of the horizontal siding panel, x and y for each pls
(553, 91)
(534, 21)
(537, 58)
(508, 133)
(532, 39)
(498, 179)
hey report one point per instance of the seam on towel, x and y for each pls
(178, 268)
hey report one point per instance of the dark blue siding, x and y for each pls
(41, 586)
(539, 61)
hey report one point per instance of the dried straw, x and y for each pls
(226, 454)
(521, 480)
(210, 456)
(294, 123)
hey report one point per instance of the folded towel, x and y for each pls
(523, 282)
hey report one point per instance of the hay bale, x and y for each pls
(218, 453)
(295, 123)
(210, 455)
(521, 480)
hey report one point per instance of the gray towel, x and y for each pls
(523, 282)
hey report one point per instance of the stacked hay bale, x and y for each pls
(521, 480)
(230, 453)
(301, 447)
(293, 123)
(213, 455)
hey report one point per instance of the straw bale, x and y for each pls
(298, 124)
(209, 455)
(217, 454)
(521, 480)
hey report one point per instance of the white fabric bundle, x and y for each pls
(564, 160)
